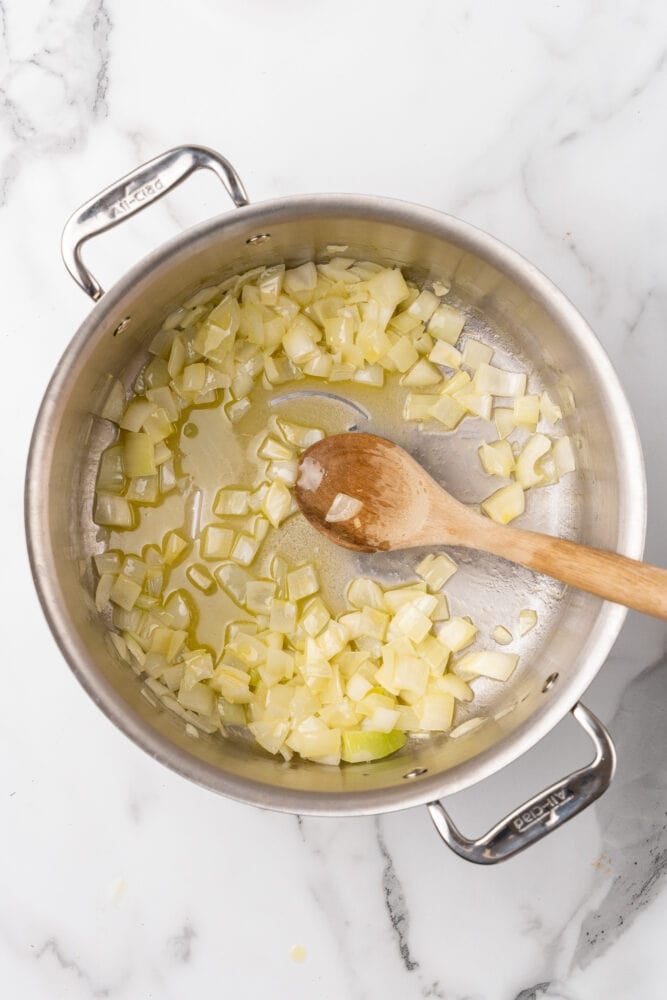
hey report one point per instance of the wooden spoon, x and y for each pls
(403, 507)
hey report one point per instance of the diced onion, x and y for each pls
(424, 305)
(476, 353)
(527, 471)
(347, 686)
(456, 686)
(108, 562)
(503, 417)
(421, 375)
(497, 458)
(501, 635)
(549, 410)
(498, 382)
(460, 380)
(258, 596)
(114, 400)
(302, 582)
(277, 503)
(457, 633)
(475, 403)
(505, 504)
(446, 324)
(370, 375)
(448, 411)
(199, 577)
(343, 508)
(403, 354)
(527, 411)
(444, 354)
(231, 501)
(103, 590)
(388, 287)
(273, 449)
(564, 457)
(418, 406)
(311, 474)
(301, 279)
(527, 620)
(124, 592)
(436, 570)
(113, 511)
(173, 547)
(435, 712)
(396, 597)
(469, 726)
(486, 663)
(139, 455)
(295, 434)
(365, 593)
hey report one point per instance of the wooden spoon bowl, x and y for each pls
(401, 506)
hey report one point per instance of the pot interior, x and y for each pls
(531, 327)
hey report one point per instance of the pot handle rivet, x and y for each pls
(542, 814)
(134, 192)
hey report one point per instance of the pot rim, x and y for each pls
(608, 623)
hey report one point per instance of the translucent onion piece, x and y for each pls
(505, 504)
(296, 434)
(549, 410)
(199, 577)
(343, 508)
(448, 411)
(444, 354)
(503, 417)
(364, 592)
(456, 686)
(476, 353)
(113, 512)
(499, 382)
(527, 620)
(564, 457)
(527, 471)
(446, 324)
(527, 411)
(469, 726)
(424, 305)
(418, 406)
(435, 570)
(421, 375)
(113, 394)
(139, 455)
(497, 458)
(502, 635)
(103, 590)
(302, 582)
(457, 633)
(486, 663)
(475, 403)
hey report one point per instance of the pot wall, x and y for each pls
(604, 507)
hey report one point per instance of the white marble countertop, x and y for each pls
(543, 123)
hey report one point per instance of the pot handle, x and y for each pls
(545, 812)
(139, 188)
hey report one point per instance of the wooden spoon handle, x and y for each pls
(607, 574)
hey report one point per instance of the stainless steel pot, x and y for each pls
(526, 315)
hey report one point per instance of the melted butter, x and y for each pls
(212, 454)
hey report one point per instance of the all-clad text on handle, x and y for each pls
(135, 191)
(545, 812)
